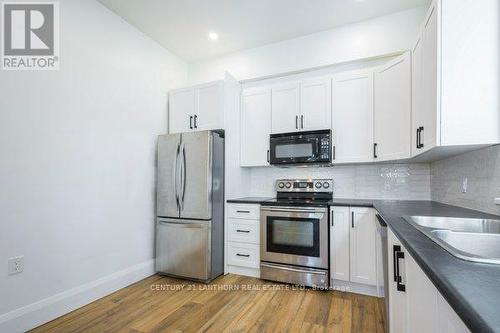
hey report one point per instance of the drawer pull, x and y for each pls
(243, 255)
(243, 211)
(245, 231)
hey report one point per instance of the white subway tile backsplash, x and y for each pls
(370, 181)
(482, 169)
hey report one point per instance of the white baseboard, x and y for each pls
(246, 271)
(38, 313)
(356, 288)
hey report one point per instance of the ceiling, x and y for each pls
(182, 26)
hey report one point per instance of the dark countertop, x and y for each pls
(472, 289)
(248, 200)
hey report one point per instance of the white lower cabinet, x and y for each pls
(243, 239)
(415, 305)
(353, 250)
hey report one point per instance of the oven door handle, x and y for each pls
(300, 270)
(294, 210)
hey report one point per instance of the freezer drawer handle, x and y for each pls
(243, 211)
(243, 255)
(182, 225)
(245, 231)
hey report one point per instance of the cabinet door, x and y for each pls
(363, 258)
(209, 106)
(285, 108)
(339, 246)
(181, 108)
(430, 81)
(315, 104)
(352, 117)
(397, 298)
(421, 299)
(255, 126)
(392, 110)
(417, 117)
(448, 320)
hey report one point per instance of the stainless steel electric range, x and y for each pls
(294, 232)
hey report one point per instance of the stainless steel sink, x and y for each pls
(469, 239)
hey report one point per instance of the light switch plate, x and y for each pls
(497, 201)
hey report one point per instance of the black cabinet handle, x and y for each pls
(333, 157)
(296, 122)
(191, 122)
(420, 144)
(302, 121)
(418, 138)
(245, 231)
(268, 156)
(400, 286)
(243, 255)
(352, 219)
(395, 249)
(375, 150)
(195, 121)
(243, 211)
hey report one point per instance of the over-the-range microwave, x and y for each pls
(301, 148)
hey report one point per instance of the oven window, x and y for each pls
(294, 150)
(293, 235)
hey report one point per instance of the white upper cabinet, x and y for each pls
(429, 85)
(209, 106)
(315, 104)
(363, 258)
(285, 108)
(197, 108)
(455, 81)
(255, 126)
(181, 110)
(352, 117)
(392, 110)
(301, 106)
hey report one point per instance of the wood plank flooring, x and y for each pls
(231, 303)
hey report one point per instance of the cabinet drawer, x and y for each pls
(242, 230)
(243, 211)
(241, 254)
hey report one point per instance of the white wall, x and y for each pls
(371, 38)
(77, 167)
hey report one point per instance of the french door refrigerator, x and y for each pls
(190, 205)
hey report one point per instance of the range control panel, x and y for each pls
(304, 185)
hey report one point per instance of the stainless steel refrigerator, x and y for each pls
(190, 205)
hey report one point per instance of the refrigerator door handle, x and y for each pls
(183, 184)
(176, 176)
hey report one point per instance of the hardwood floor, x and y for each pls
(231, 303)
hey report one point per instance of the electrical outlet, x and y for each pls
(16, 265)
(464, 185)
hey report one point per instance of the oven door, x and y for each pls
(305, 147)
(295, 236)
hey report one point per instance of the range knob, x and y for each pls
(326, 185)
(318, 185)
(281, 185)
(288, 185)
